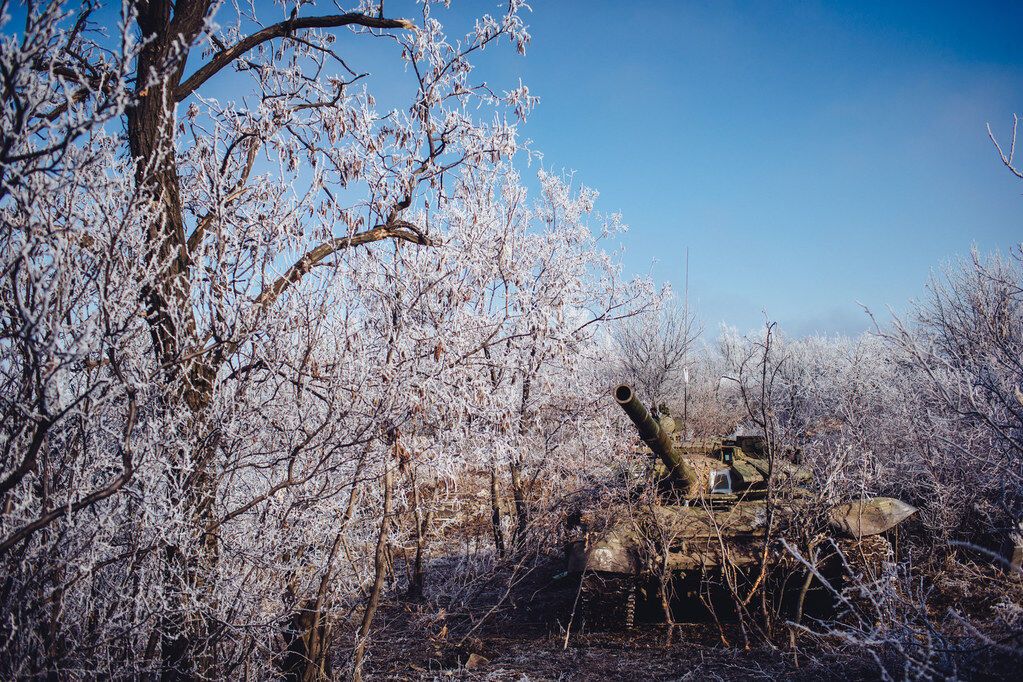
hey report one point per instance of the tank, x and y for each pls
(698, 519)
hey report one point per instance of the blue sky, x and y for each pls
(810, 155)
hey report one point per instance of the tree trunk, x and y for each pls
(380, 571)
(168, 31)
(187, 649)
(521, 507)
(307, 632)
(422, 526)
(495, 511)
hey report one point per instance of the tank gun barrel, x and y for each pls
(654, 436)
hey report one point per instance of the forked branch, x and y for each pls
(1007, 159)
(280, 30)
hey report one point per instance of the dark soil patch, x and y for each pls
(648, 652)
(521, 639)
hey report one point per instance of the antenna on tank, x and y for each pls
(685, 352)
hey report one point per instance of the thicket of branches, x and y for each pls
(927, 409)
(250, 343)
(263, 354)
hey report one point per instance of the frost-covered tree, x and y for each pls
(965, 340)
(250, 341)
(654, 352)
(167, 253)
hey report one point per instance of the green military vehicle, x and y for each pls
(697, 533)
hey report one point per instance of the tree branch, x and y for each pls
(127, 471)
(239, 189)
(279, 30)
(1007, 160)
(399, 230)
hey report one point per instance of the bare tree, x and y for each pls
(966, 342)
(653, 352)
(160, 260)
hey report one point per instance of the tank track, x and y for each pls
(864, 567)
(865, 558)
(607, 601)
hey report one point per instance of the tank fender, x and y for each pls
(865, 517)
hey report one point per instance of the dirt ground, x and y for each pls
(493, 633)
(647, 652)
(517, 641)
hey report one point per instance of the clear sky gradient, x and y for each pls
(810, 155)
